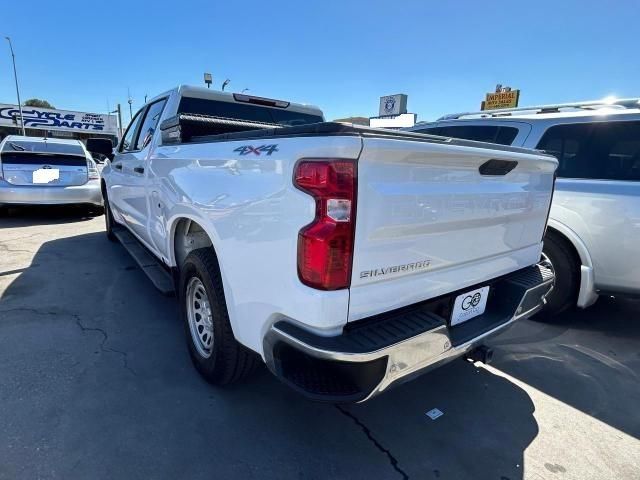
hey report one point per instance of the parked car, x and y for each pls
(47, 171)
(593, 239)
(346, 258)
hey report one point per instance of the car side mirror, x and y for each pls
(100, 146)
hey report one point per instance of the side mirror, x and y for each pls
(101, 146)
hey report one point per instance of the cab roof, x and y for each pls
(209, 94)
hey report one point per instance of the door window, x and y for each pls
(150, 123)
(128, 141)
(600, 150)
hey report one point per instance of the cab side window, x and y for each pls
(128, 141)
(150, 123)
(600, 150)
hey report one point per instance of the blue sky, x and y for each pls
(339, 55)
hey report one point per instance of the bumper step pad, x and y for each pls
(350, 366)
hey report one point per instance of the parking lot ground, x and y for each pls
(96, 382)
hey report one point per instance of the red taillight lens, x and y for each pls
(325, 246)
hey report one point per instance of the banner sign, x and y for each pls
(498, 100)
(49, 119)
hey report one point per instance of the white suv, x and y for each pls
(593, 239)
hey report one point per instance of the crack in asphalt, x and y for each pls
(105, 335)
(393, 460)
(8, 249)
(103, 347)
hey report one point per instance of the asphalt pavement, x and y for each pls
(96, 382)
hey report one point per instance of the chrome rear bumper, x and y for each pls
(373, 354)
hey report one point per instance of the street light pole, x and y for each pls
(15, 76)
(130, 101)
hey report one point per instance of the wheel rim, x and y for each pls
(199, 317)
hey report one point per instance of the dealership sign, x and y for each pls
(393, 105)
(50, 119)
(502, 99)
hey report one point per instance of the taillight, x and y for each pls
(325, 246)
(92, 169)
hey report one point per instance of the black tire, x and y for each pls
(109, 222)
(228, 361)
(95, 211)
(566, 265)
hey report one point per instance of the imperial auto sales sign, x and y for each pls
(49, 119)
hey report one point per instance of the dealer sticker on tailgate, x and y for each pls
(469, 305)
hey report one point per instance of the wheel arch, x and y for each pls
(587, 292)
(574, 240)
(188, 232)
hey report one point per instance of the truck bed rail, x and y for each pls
(185, 126)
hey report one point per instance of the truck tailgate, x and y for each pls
(429, 222)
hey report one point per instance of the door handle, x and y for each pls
(138, 169)
(117, 166)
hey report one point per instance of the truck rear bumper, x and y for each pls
(373, 354)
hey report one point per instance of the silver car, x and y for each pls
(41, 171)
(593, 238)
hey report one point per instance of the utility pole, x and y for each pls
(118, 110)
(15, 76)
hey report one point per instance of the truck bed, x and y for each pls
(342, 129)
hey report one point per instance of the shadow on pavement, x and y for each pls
(97, 382)
(589, 359)
(24, 216)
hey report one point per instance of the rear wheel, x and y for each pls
(212, 346)
(566, 266)
(95, 210)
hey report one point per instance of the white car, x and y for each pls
(47, 171)
(346, 258)
(594, 226)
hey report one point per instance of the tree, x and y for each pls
(36, 102)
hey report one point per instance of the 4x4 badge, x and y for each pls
(247, 149)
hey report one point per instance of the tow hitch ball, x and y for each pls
(481, 354)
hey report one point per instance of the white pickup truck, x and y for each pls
(346, 258)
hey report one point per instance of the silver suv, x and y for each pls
(593, 239)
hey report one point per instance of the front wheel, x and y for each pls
(108, 220)
(566, 267)
(214, 351)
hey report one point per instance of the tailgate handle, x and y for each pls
(117, 166)
(497, 167)
(138, 169)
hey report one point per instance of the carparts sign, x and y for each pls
(49, 119)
